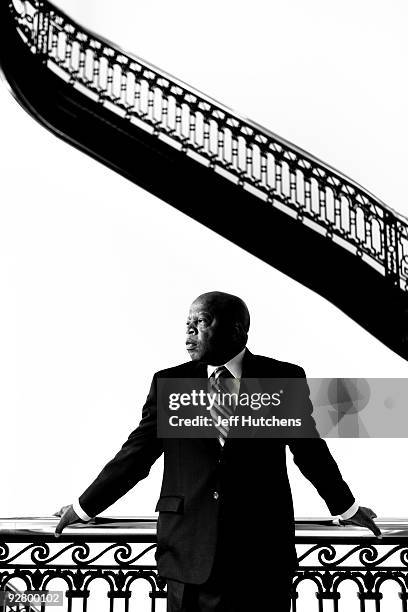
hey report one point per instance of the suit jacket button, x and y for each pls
(216, 495)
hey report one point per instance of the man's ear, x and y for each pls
(239, 331)
(236, 329)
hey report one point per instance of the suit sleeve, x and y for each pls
(313, 458)
(130, 465)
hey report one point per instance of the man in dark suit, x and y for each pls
(225, 532)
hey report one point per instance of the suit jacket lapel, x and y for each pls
(250, 372)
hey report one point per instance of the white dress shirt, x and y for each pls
(234, 366)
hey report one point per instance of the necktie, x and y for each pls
(222, 407)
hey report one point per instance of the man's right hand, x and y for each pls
(364, 518)
(68, 516)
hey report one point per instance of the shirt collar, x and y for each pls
(234, 365)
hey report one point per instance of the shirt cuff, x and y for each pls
(350, 512)
(82, 515)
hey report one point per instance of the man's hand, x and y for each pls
(68, 516)
(364, 518)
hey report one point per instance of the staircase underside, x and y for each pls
(257, 226)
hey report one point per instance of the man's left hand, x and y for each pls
(364, 518)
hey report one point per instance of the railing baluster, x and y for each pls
(294, 597)
(337, 211)
(391, 248)
(178, 126)
(264, 169)
(404, 601)
(278, 177)
(234, 152)
(293, 185)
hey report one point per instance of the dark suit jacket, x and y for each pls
(249, 476)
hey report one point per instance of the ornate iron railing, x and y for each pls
(110, 564)
(245, 153)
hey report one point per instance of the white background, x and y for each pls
(96, 275)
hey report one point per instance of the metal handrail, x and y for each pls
(268, 166)
(143, 529)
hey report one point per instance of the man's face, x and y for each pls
(209, 337)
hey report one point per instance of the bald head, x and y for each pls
(227, 306)
(217, 327)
